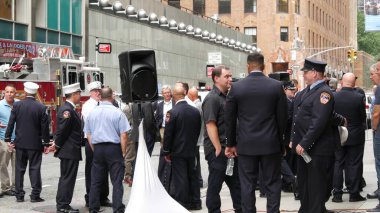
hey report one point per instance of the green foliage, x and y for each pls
(368, 41)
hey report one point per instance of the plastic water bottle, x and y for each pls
(306, 157)
(230, 166)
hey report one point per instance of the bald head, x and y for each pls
(348, 80)
(193, 94)
(178, 92)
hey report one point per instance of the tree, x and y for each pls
(367, 41)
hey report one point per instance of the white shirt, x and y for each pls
(87, 108)
(167, 106)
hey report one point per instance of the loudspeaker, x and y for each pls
(138, 76)
(280, 76)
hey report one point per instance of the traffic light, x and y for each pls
(355, 55)
(138, 76)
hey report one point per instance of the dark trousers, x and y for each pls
(217, 175)
(185, 179)
(35, 158)
(271, 173)
(291, 158)
(108, 159)
(315, 183)
(105, 187)
(199, 173)
(66, 184)
(349, 159)
(286, 172)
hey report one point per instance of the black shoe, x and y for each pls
(373, 195)
(195, 207)
(68, 209)
(337, 198)
(297, 196)
(10, 193)
(36, 200)
(20, 199)
(356, 198)
(345, 191)
(376, 209)
(106, 203)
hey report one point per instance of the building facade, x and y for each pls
(288, 30)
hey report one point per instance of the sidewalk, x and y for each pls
(288, 204)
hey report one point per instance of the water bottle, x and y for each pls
(306, 157)
(230, 167)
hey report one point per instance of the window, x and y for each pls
(64, 17)
(224, 6)
(76, 13)
(65, 39)
(52, 12)
(199, 7)
(77, 44)
(21, 32)
(175, 3)
(6, 29)
(250, 6)
(284, 34)
(282, 6)
(53, 37)
(297, 6)
(252, 32)
(40, 35)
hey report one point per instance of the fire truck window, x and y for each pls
(102, 78)
(95, 76)
(64, 75)
(81, 81)
(73, 77)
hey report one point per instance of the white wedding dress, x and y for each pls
(148, 195)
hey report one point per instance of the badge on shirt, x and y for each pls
(325, 98)
(167, 117)
(66, 114)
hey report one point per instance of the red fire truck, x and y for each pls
(52, 68)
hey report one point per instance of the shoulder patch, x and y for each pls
(66, 114)
(325, 97)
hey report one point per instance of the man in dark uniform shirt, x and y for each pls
(259, 104)
(32, 128)
(314, 134)
(350, 104)
(67, 147)
(181, 134)
(215, 143)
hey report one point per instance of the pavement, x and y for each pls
(50, 176)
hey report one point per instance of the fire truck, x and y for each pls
(52, 68)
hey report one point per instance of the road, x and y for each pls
(50, 176)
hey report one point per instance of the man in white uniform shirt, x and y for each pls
(94, 90)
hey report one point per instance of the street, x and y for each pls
(50, 175)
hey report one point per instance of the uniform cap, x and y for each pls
(94, 85)
(30, 87)
(71, 88)
(318, 66)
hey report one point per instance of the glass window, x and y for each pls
(284, 35)
(199, 7)
(21, 32)
(40, 35)
(52, 12)
(282, 6)
(175, 3)
(224, 6)
(64, 17)
(53, 37)
(73, 77)
(297, 6)
(65, 39)
(6, 29)
(250, 6)
(77, 44)
(76, 17)
(252, 32)
(6, 9)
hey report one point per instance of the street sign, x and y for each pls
(214, 58)
(104, 48)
